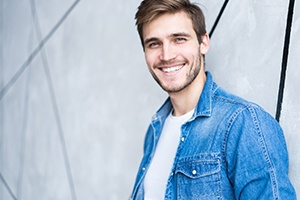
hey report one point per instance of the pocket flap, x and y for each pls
(198, 169)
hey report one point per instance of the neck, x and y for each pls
(187, 99)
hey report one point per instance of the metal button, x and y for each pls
(143, 168)
(194, 172)
(182, 139)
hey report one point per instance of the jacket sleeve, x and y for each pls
(257, 157)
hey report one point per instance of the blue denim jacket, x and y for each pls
(230, 149)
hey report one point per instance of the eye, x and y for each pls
(180, 39)
(153, 44)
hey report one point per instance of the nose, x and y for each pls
(167, 52)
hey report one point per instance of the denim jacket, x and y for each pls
(229, 149)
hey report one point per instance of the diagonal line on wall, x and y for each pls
(1, 85)
(54, 103)
(7, 187)
(218, 18)
(285, 58)
(23, 139)
(27, 62)
(24, 130)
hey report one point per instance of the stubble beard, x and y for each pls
(190, 77)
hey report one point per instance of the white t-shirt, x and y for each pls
(161, 165)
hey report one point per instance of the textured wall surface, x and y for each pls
(76, 97)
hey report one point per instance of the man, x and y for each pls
(203, 143)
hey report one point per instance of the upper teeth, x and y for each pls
(171, 69)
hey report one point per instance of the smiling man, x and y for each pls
(203, 143)
(175, 58)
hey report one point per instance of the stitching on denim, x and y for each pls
(265, 153)
(251, 108)
(209, 157)
(224, 143)
(242, 102)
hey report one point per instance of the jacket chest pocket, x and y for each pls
(199, 178)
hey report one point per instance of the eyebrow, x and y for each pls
(173, 35)
(180, 34)
(150, 40)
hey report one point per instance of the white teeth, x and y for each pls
(171, 69)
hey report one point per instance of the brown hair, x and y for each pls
(150, 9)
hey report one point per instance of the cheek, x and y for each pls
(191, 52)
(147, 61)
(150, 59)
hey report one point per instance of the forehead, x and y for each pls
(167, 24)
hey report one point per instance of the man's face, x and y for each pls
(172, 51)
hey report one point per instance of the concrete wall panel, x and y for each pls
(246, 50)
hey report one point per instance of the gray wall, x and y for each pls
(76, 97)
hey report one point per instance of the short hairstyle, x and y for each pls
(151, 9)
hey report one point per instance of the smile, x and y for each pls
(171, 69)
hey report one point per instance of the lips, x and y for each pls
(172, 68)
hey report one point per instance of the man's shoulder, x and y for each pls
(238, 105)
(222, 95)
(224, 98)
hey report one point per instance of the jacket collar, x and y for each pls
(203, 107)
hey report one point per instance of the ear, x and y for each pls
(204, 46)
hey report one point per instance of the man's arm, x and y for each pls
(257, 158)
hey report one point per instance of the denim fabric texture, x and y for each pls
(229, 149)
